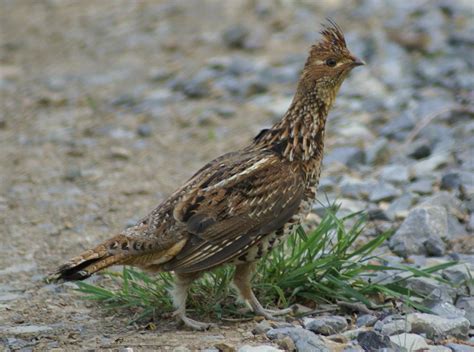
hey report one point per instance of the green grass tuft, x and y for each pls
(323, 266)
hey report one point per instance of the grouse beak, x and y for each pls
(357, 61)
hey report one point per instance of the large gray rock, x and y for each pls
(326, 325)
(459, 274)
(305, 340)
(437, 327)
(455, 209)
(431, 288)
(444, 309)
(423, 224)
(444, 199)
(467, 304)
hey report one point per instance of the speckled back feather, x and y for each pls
(238, 204)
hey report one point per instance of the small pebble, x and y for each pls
(262, 327)
(224, 347)
(366, 320)
(120, 153)
(235, 36)
(144, 130)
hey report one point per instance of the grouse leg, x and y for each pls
(180, 294)
(242, 278)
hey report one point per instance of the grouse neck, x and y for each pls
(300, 134)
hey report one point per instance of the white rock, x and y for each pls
(421, 224)
(411, 342)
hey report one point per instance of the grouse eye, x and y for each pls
(331, 62)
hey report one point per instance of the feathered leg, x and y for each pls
(242, 280)
(179, 294)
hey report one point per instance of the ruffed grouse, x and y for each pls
(242, 204)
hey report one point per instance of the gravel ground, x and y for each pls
(107, 106)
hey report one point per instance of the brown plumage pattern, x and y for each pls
(240, 205)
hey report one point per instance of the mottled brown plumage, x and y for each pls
(240, 205)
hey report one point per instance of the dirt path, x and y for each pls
(77, 163)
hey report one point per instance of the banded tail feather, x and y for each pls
(108, 253)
